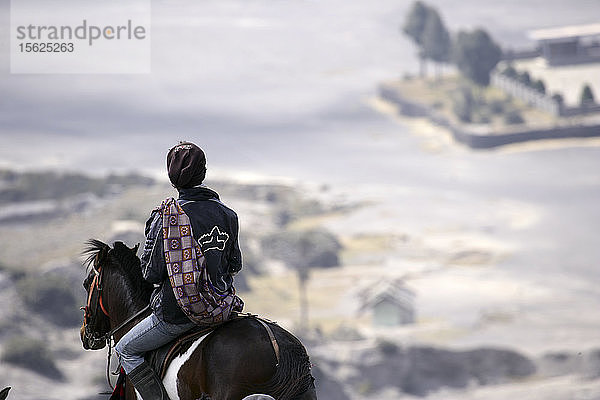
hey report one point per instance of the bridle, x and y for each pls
(94, 338)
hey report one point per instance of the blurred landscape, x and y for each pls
(410, 266)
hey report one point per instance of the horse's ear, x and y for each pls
(4, 393)
(102, 255)
(97, 253)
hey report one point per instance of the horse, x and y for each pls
(235, 360)
(4, 393)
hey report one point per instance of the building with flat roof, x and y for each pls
(569, 44)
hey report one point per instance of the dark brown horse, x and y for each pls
(233, 361)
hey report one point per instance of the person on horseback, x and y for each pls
(214, 228)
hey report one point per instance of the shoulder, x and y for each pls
(228, 210)
(213, 203)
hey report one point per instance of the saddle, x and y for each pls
(160, 358)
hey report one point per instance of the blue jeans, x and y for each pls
(149, 334)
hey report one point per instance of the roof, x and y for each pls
(565, 32)
(395, 291)
(402, 303)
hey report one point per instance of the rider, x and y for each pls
(186, 165)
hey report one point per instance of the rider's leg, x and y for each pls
(148, 334)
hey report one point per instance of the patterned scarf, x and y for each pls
(186, 267)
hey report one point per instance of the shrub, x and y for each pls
(539, 86)
(497, 106)
(510, 72)
(438, 105)
(346, 332)
(463, 103)
(524, 78)
(481, 117)
(513, 117)
(387, 347)
(50, 297)
(558, 98)
(291, 209)
(12, 273)
(31, 354)
(587, 96)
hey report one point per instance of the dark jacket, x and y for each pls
(214, 227)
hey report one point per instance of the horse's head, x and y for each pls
(113, 274)
(96, 323)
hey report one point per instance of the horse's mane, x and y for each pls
(121, 258)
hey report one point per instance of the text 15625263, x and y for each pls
(46, 47)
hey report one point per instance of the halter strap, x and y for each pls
(96, 284)
(102, 305)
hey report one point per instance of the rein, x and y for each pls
(128, 320)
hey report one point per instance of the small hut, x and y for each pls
(391, 303)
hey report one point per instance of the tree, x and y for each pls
(414, 27)
(303, 250)
(539, 86)
(303, 276)
(476, 54)
(560, 101)
(305, 245)
(587, 96)
(312, 248)
(558, 98)
(436, 41)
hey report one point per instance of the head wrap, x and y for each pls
(186, 165)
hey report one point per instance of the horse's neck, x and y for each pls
(123, 306)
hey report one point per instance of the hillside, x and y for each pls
(448, 350)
